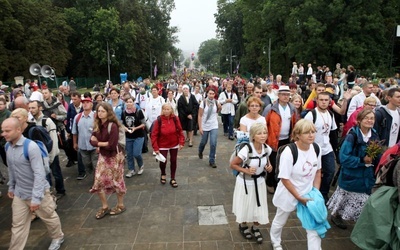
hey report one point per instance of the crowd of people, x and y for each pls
(308, 113)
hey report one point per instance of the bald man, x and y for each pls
(28, 188)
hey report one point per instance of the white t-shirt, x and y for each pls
(286, 117)
(301, 175)
(212, 122)
(273, 96)
(249, 122)
(243, 154)
(154, 107)
(324, 124)
(141, 99)
(394, 129)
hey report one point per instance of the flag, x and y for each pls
(174, 69)
(237, 69)
(155, 71)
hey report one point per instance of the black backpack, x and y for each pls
(41, 135)
(295, 153)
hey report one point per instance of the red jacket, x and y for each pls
(170, 134)
(274, 123)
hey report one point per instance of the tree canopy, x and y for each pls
(319, 32)
(72, 36)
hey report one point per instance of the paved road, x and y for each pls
(160, 217)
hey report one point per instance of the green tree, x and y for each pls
(209, 52)
(32, 31)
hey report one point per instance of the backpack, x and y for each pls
(386, 171)
(121, 134)
(305, 112)
(43, 152)
(314, 113)
(245, 164)
(47, 141)
(295, 153)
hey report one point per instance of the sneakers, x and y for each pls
(81, 177)
(141, 169)
(130, 174)
(277, 247)
(213, 165)
(257, 235)
(231, 138)
(337, 220)
(70, 164)
(56, 243)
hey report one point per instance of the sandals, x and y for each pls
(102, 212)
(245, 231)
(257, 235)
(173, 183)
(163, 180)
(117, 210)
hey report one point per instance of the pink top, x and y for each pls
(352, 121)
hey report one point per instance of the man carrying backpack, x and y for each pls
(35, 109)
(28, 188)
(82, 131)
(55, 110)
(387, 119)
(324, 123)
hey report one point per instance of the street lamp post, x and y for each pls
(230, 58)
(109, 60)
(151, 64)
(269, 55)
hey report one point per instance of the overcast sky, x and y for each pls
(195, 20)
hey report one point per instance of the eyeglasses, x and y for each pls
(309, 133)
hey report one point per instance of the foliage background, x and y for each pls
(321, 32)
(71, 36)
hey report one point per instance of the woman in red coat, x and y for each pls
(167, 136)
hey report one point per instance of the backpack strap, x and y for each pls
(316, 148)
(26, 148)
(109, 127)
(314, 113)
(295, 153)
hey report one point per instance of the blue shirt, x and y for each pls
(27, 178)
(84, 130)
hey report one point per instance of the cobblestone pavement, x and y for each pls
(161, 217)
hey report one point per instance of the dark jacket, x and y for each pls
(383, 124)
(185, 109)
(71, 113)
(354, 175)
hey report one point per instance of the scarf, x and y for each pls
(210, 104)
(130, 111)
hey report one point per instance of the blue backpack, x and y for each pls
(43, 153)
